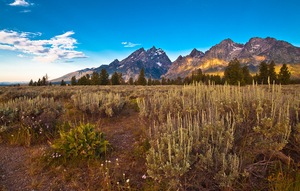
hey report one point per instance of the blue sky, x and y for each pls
(58, 37)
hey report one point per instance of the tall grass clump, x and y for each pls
(108, 104)
(217, 133)
(29, 120)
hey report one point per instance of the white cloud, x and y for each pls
(21, 3)
(60, 47)
(129, 44)
(25, 11)
(21, 55)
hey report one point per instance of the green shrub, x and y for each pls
(80, 142)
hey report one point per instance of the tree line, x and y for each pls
(41, 82)
(102, 78)
(234, 74)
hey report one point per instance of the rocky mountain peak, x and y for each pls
(226, 41)
(153, 52)
(138, 52)
(179, 57)
(196, 53)
(156, 62)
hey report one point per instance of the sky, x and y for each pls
(56, 37)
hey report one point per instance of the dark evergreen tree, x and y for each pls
(149, 81)
(44, 81)
(121, 79)
(104, 77)
(30, 83)
(271, 72)
(73, 81)
(233, 73)
(141, 78)
(163, 81)
(95, 79)
(263, 74)
(115, 79)
(130, 81)
(63, 83)
(39, 82)
(178, 81)
(284, 75)
(156, 82)
(246, 74)
(197, 75)
(88, 77)
(83, 81)
(187, 80)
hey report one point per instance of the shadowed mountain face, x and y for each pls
(252, 54)
(157, 64)
(154, 61)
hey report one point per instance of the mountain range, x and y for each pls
(157, 64)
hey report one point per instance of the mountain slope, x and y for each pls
(157, 64)
(252, 54)
(154, 61)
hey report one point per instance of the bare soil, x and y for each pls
(18, 172)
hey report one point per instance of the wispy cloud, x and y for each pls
(21, 3)
(129, 44)
(25, 11)
(60, 47)
(21, 55)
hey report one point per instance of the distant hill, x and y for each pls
(12, 83)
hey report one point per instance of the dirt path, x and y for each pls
(123, 133)
(13, 168)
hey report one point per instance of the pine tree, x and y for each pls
(246, 74)
(83, 81)
(104, 77)
(178, 81)
(121, 79)
(39, 82)
(284, 75)
(263, 74)
(130, 81)
(141, 79)
(272, 73)
(198, 75)
(30, 83)
(88, 77)
(95, 79)
(115, 79)
(163, 81)
(233, 73)
(73, 81)
(63, 83)
(149, 81)
(44, 81)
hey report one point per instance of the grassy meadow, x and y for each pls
(192, 137)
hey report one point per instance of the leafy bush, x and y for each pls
(80, 142)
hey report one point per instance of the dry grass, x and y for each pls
(206, 137)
